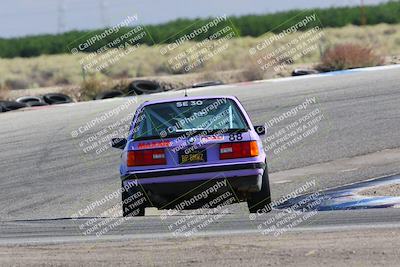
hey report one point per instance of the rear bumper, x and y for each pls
(196, 173)
(190, 188)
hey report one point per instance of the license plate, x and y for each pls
(193, 156)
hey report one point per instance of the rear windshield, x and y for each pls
(176, 118)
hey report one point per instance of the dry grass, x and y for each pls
(349, 56)
(4, 93)
(91, 87)
(61, 70)
(94, 85)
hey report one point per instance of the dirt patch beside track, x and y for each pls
(392, 190)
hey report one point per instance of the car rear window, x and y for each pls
(175, 118)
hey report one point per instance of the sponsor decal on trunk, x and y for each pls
(154, 144)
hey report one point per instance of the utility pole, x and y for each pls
(363, 18)
(61, 16)
(103, 13)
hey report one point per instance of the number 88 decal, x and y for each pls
(235, 136)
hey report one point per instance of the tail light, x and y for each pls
(238, 150)
(146, 157)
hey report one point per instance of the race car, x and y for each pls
(182, 152)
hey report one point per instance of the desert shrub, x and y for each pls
(162, 69)
(252, 72)
(15, 83)
(122, 74)
(389, 31)
(348, 56)
(91, 87)
(121, 85)
(62, 81)
(74, 92)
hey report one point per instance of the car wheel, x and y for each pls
(129, 208)
(260, 201)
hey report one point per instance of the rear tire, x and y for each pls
(260, 201)
(132, 208)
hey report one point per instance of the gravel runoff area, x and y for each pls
(391, 190)
(317, 248)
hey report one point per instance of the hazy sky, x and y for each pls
(30, 17)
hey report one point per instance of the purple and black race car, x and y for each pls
(177, 148)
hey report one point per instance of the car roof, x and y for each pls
(151, 102)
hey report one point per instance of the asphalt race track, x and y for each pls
(46, 177)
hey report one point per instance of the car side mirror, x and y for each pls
(118, 143)
(260, 129)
